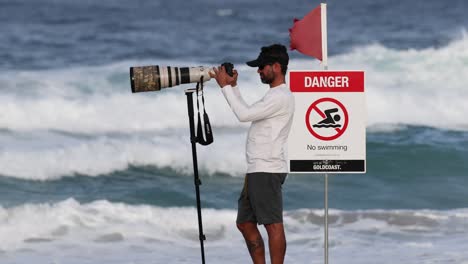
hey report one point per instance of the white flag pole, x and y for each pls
(323, 24)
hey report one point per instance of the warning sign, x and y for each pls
(328, 134)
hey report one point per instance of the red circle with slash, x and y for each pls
(313, 107)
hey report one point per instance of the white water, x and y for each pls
(105, 232)
(422, 87)
(87, 121)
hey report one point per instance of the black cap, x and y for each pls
(271, 54)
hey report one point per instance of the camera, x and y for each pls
(155, 77)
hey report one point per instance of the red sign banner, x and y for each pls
(327, 81)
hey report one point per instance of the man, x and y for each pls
(261, 199)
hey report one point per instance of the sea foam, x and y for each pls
(103, 231)
(416, 87)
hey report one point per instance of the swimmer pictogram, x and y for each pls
(329, 121)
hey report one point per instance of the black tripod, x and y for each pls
(193, 140)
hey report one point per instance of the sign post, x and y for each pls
(328, 134)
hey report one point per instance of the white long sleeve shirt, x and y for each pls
(271, 117)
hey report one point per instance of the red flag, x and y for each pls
(306, 34)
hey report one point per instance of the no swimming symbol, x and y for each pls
(326, 119)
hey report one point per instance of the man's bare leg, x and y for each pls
(276, 242)
(254, 241)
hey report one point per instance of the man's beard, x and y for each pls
(267, 79)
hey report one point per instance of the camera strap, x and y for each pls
(208, 133)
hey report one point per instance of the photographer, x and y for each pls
(261, 200)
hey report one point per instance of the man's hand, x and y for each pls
(222, 78)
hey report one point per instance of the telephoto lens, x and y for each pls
(155, 78)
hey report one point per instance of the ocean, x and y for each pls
(91, 173)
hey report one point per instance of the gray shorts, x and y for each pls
(261, 199)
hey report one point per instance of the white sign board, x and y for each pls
(328, 134)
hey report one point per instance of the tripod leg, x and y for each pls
(197, 181)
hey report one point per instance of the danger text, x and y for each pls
(327, 81)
